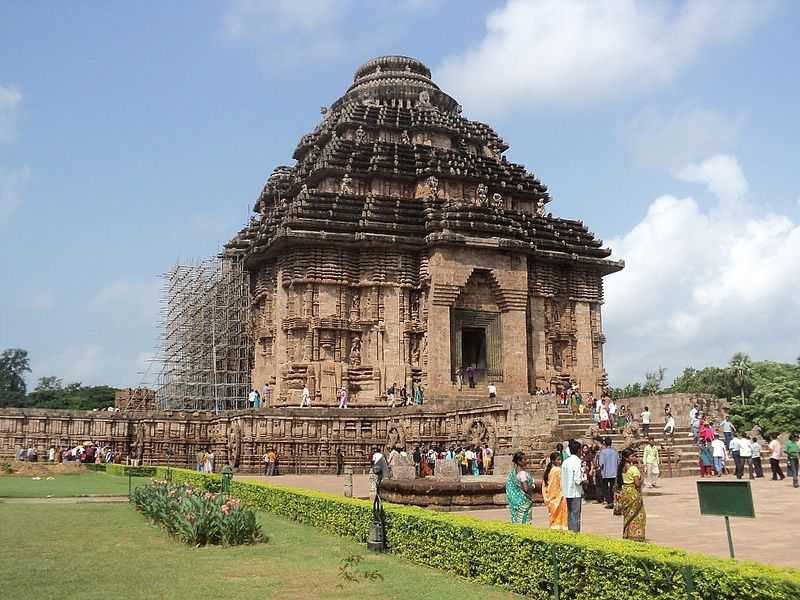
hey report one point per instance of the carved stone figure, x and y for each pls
(478, 433)
(433, 187)
(346, 186)
(540, 208)
(482, 193)
(304, 192)
(355, 351)
(360, 134)
(424, 98)
(414, 341)
(404, 139)
(262, 207)
(139, 442)
(497, 200)
(414, 305)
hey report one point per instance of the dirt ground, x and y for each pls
(42, 469)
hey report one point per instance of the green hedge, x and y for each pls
(519, 557)
(142, 471)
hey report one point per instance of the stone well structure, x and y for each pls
(403, 246)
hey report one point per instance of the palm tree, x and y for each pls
(741, 371)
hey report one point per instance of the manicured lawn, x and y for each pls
(103, 551)
(85, 484)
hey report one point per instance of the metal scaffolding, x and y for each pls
(205, 345)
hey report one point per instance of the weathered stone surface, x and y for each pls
(502, 465)
(403, 472)
(448, 470)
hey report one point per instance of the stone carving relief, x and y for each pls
(497, 200)
(139, 441)
(234, 444)
(395, 437)
(355, 351)
(404, 139)
(540, 208)
(360, 134)
(424, 99)
(433, 187)
(346, 186)
(481, 194)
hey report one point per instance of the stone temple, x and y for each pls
(403, 246)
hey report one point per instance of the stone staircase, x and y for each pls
(678, 454)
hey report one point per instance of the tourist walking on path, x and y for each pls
(727, 429)
(553, 496)
(459, 378)
(629, 480)
(471, 376)
(343, 398)
(571, 486)
(604, 416)
(612, 413)
(265, 460)
(210, 462)
(755, 448)
(492, 391)
(646, 421)
(251, 398)
(707, 432)
(652, 464)
(793, 455)
(419, 394)
(719, 452)
(745, 457)
(272, 456)
(622, 418)
(519, 489)
(608, 460)
(774, 446)
(488, 455)
(201, 461)
(306, 398)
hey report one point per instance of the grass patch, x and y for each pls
(84, 484)
(38, 545)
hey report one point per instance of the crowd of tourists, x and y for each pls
(88, 452)
(581, 473)
(472, 459)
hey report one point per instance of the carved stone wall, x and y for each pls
(305, 439)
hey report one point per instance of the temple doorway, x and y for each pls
(473, 349)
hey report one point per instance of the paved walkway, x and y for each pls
(673, 516)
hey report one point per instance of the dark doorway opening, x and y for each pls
(473, 348)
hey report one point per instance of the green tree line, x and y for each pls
(764, 393)
(50, 392)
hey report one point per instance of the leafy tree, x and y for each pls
(629, 391)
(741, 369)
(72, 396)
(653, 381)
(14, 363)
(48, 383)
(774, 401)
(709, 380)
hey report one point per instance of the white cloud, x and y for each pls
(12, 187)
(575, 51)
(685, 134)
(721, 174)
(129, 300)
(10, 100)
(701, 284)
(86, 365)
(294, 31)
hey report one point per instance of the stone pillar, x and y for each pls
(584, 369)
(348, 481)
(515, 353)
(438, 350)
(373, 485)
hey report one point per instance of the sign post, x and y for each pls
(726, 499)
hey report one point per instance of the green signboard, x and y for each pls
(725, 498)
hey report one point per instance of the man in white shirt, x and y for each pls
(379, 465)
(492, 390)
(755, 448)
(572, 477)
(646, 421)
(746, 456)
(719, 453)
(251, 398)
(693, 413)
(775, 458)
(306, 400)
(734, 446)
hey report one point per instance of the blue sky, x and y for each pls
(134, 135)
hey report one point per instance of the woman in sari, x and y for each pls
(519, 489)
(707, 432)
(551, 490)
(629, 480)
(706, 460)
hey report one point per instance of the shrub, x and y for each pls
(521, 558)
(197, 517)
(114, 469)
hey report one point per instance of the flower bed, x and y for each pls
(197, 517)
